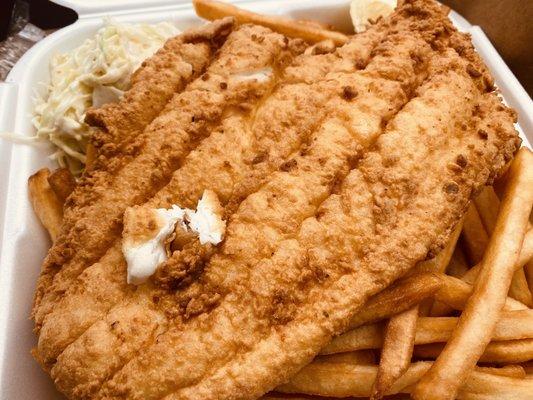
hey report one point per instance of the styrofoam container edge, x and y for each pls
(23, 242)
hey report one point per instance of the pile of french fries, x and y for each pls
(457, 326)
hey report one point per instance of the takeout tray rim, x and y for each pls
(14, 184)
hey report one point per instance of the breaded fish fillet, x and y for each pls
(233, 161)
(189, 118)
(119, 125)
(303, 108)
(350, 168)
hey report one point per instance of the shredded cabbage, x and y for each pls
(95, 73)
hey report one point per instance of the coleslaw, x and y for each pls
(93, 74)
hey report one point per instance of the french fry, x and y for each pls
(45, 203)
(499, 187)
(528, 368)
(440, 309)
(360, 357)
(361, 338)
(513, 325)
(345, 380)
(457, 268)
(490, 386)
(455, 293)
(528, 269)
(507, 352)
(488, 204)
(312, 33)
(519, 288)
(397, 298)
(286, 396)
(474, 237)
(62, 183)
(526, 254)
(481, 313)
(397, 350)
(512, 351)
(511, 371)
(440, 263)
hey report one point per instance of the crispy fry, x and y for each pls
(528, 368)
(519, 288)
(488, 204)
(474, 237)
(286, 396)
(45, 203)
(528, 269)
(481, 313)
(440, 309)
(364, 337)
(511, 351)
(499, 186)
(397, 298)
(457, 267)
(485, 385)
(455, 293)
(212, 10)
(62, 183)
(360, 357)
(526, 254)
(513, 325)
(511, 371)
(440, 263)
(345, 380)
(397, 350)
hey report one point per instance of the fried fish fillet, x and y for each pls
(232, 162)
(118, 139)
(185, 122)
(99, 289)
(404, 129)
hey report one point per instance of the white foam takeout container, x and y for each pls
(23, 242)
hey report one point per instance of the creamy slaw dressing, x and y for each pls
(95, 73)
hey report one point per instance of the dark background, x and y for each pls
(509, 26)
(507, 23)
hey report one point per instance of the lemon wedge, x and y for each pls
(366, 12)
